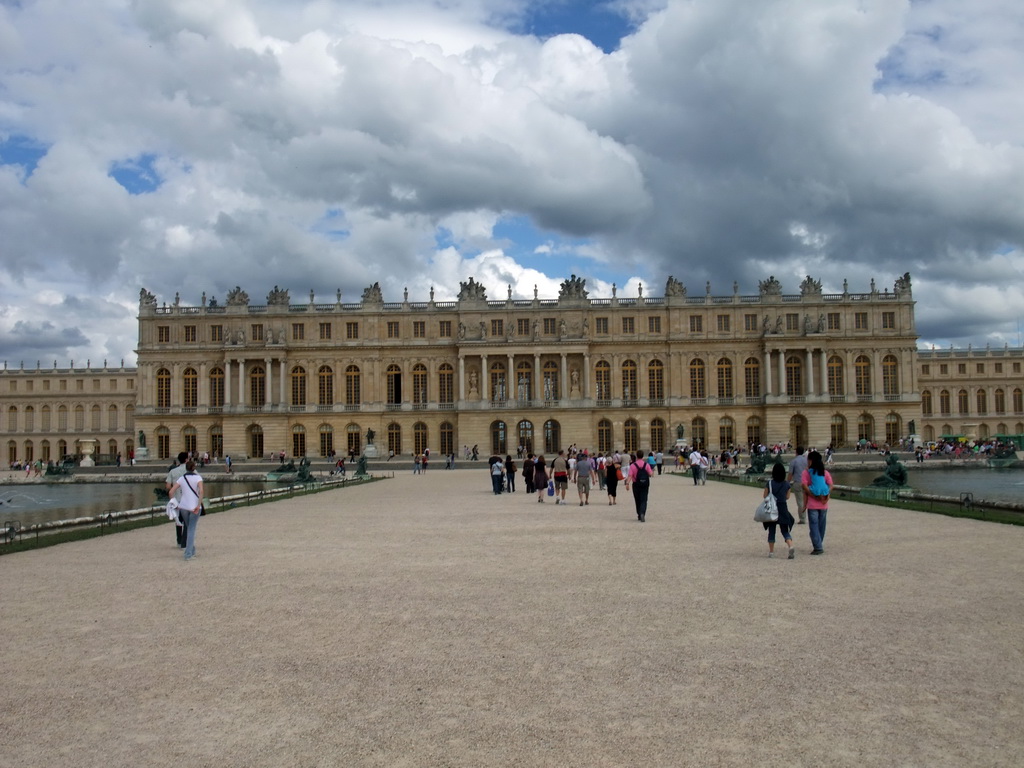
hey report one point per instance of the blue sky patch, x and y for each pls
(23, 151)
(539, 248)
(332, 225)
(137, 175)
(603, 26)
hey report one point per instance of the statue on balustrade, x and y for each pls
(471, 290)
(237, 297)
(674, 287)
(573, 288)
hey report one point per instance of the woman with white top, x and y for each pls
(190, 504)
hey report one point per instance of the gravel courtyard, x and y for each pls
(423, 621)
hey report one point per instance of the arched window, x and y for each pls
(629, 391)
(552, 436)
(657, 435)
(631, 436)
(865, 427)
(753, 431)
(524, 381)
(217, 388)
(419, 386)
(163, 388)
(838, 432)
(656, 382)
(353, 395)
(603, 376)
(255, 441)
(963, 402)
(447, 434)
(95, 418)
(1018, 401)
(419, 437)
(190, 388)
(944, 403)
(163, 443)
(353, 440)
(1000, 403)
(30, 418)
(794, 376)
(890, 376)
(129, 418)
(44, 450)
(698, 386)
(726, 433)
(30, 451)
(499, 383)
(62, 418)
(46, 418)
(836, 379)
(62, 449)
(862, 376)
(325, 385)
(12, 451)
(551, 391)
(525, 430)
(1001, 428)
(12, 419)
(79, 418)
(725, 386)
(893, 428)
(752, 378)
(189, 439)
(982, 401)
(604, 436)
(394, 382)
(112, 418)
(298, 440)
(326, 440)
(926, 403)
(499, 438)
(445, 388)
(298, 377)
(699, 433)
(394, 438)
(216, 437)
(257, 390)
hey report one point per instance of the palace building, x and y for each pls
(629, 373)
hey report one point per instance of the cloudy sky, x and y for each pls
(194, 145)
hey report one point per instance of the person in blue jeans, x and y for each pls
(779, 488)
(190, 506)
(817, 483)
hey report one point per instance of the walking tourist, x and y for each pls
(172, 477)
(497, 475)
(639, 478)
(190, 505)
(817, 483)
(779, 487)
(612, 475)
(560, 473)
(796, 471)
(510, 474)
(583, 472)
(540, 478)
(528, 467)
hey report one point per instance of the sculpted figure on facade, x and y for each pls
(586, 327)
(146, 299)
(674, 287)
(237, 297)
(373, 295)
(778, 324)
(902, 285)
(278, 297)
(810, 286)
(770, 287)
(483, 330)
(573, 288)
(462, 331)
(766, 325)
(821, 323)
(471, 290)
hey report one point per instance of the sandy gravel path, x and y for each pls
(422, 621)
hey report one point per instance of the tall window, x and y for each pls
(604, 436)
(393, 329)
(628, 326)
(890, 375)
(298, 440)
(447, 433)
(419, 329)
(257, 387)
(1018, 400)
(46, 419)
(499, 383)
(631, 435)
(725, 388)
(298, 331)
(394, 438)
(190, 438)
(499, 438)
(862, 375)
(699, 432)
(654, 324)
(525, 431)
(497, 328)
(326, 440)
(926, 403)
(726, 432)
(860, 321)
(723, 323)
(838, 433)
(836, 388)
(12, 419)
(552, 436)
(353, 439)
(217, 388)
(944, 402)
(753, 431)
(298, 385)
(794, 376)
(163, 443)
(256, 441)
(1000, 401)
(603, 376)
(696, 324)
(419, 384)
(95, 417)
(353, 396)
(325, 384)
(352, 330)
(656, 381)
(217, 440)
(444, 329)
(419, 437)
(112, 419)
(865, 427)
(524, 381)
(982, 398)
(657, 435)
(751, 377)
(963, 402)
(163, 388)
(446, 386)
(629, 392)
(62, 420)
(190, 333)
(190, 393)
(893, 429)
(394, 382)
(551, 381)
(698, 384)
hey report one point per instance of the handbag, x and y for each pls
(768, 510)
(551, 487)
(618, 473)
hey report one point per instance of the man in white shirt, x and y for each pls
(695, 465)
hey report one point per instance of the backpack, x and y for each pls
(642, 476)
(818, 486)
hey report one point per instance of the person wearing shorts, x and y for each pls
(560, 474)
(583, 473)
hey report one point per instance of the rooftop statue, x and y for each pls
(278, 297)
(810, 285)
(146, 299)
(674, 288)
(573, 288)
(471, 290)
(237, 297)
(373, 295)
(902, 285)
(770, 287)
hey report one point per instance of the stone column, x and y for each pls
(782, 372)
(768, 372)
(462, 377)
(824, 371)
(809, 357)
(876, 376)
(204, 387)
(269, 367)
(228, 363)
(565, 377)
(585, 375)
(283, 389)
(512, 385)
(241, 381)
(485, 379)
